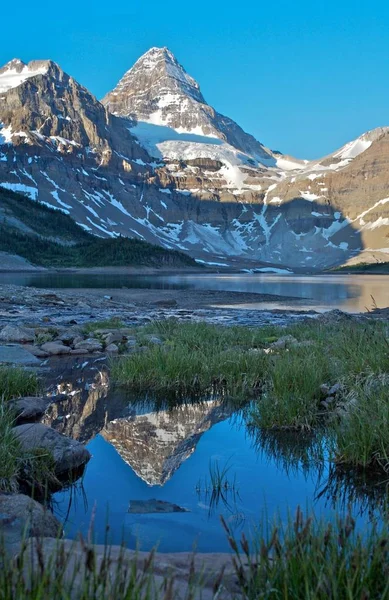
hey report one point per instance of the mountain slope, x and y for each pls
(46, 237)
(168, 169)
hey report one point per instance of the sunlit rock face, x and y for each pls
(153, 441)
(154, 161)
(155, 444)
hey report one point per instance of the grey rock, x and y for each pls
(283, 342)
(17, 355)
(112, 348)
(68, 454)
(20, 516)
(12, 333)
(78, 339)
(153, 339)
(78, 351)
(335, 389)
(55, 348)
(29, 408)
(113, 337)
(90, 345)
(36, 351)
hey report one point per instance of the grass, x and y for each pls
(238, 364)
(197, 359)
(361, 436)
(10, 451)
(16, 382)
(300, 560)
(35, 469)
(111, 323)
(309, 560)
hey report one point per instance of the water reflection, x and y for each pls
(347, 292)
(144, 450)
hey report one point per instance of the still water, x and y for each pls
(142, 452)
(352, 293)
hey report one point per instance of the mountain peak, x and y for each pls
(16, 72)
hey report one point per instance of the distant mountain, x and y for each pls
(155, 162)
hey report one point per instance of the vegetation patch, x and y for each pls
(314, 376)
(16, 382)
(49, 238)
(112, 323)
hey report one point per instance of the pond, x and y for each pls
(143, 450)
(352, 293)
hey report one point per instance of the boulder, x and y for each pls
(21, 516)
(90, 345)
(29, 408)
(55, 348)
(112, 348)
(284, 342)
(19, 335)
(17, 355)
(153, 339)
(35, 351)
(68, 454)
(113, 337)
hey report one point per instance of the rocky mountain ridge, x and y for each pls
(154, 161)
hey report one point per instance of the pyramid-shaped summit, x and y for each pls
(158, 90)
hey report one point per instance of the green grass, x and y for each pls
(301, 559)
(309, 560)
(198, 360)
(16, 382)
(111, 323)
(360, 437)
(10, 451)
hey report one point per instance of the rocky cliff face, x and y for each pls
(155, 161)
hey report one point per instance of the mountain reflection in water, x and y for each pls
(144, 449)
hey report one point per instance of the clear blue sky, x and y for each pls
(304, 77)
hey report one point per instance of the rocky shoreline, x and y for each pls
(38, 326)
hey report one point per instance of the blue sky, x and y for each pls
(303, 77)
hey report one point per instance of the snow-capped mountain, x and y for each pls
(155, 161)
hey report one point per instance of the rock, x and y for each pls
(143, 507)
(112, 337)
(284, 342)
(20, 517)
(29, 408)
(78, 339)
(334, 316)
(153, 339)
(78, 351)
(68, 454)
(54, 348)
(113, 348)
(131, 342)
(168, 303)
(336, 389)
(68, 337)
(35, 351)
(90, 345)
(324, 389)
(184, 568)
(19, 335)
(17, 355)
